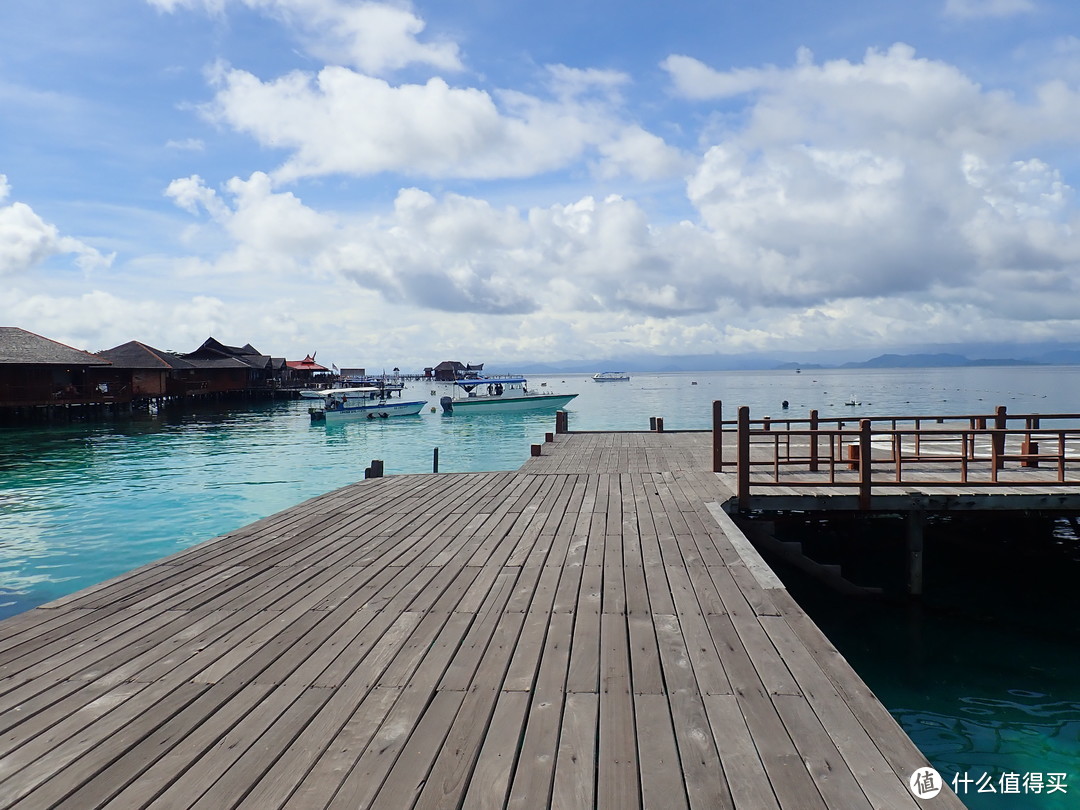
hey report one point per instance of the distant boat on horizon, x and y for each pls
(610, 376)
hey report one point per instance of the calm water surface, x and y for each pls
(979, 692)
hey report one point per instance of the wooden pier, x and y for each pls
(1001, 461)
(590, 630)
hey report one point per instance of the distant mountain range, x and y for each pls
(966, 356)
(923, 361)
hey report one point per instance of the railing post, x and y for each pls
(742, 441)
(1000, 422)
(717, 436)
(1029, 447)
(864, 464)
(813, 440)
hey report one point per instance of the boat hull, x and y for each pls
(532, 402)
(373, 411)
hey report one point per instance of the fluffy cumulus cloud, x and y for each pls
(896, 176)
(342, 121)
(26, 240)
(455, 253)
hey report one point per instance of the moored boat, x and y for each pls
(499, 395)
(365, 402)
(610, 376)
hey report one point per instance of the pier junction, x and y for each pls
(591, 630)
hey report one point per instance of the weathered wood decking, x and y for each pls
(582, 632)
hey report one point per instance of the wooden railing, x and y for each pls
(968, 449)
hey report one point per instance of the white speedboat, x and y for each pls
(499, 395)
(610, 376)
(365, 402)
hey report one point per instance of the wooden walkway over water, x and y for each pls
(583, 632)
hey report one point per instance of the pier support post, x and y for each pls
(535, 449)
(916, 526)
(717, 436)
(742, 470)
(813, 440)
(375, 470)
(659, 424)
(864, 464)
(562, 424)
(652, 423)
(1000, 422)
(435, 460)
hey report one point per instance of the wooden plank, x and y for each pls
(646, 674)
(662, 785)
(450, 774)
(575, 768)
(833, 779)
(746, 777)
(408, 776)
(534, 773)
(38, 764)
(490, 783)
(584, 674)
(617, 760)
(224, 753)
(702, 770)
(322, 781)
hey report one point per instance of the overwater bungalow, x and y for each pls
(253, 369)
(157, 374)
(36, 372)
(450, 370)
(306, 373)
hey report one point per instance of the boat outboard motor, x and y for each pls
(447, 404)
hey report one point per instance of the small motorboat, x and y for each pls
(368, 402)
(499, 395)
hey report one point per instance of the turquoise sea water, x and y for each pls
(979, 693)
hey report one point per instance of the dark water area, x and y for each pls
(983, 672)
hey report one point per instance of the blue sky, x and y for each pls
(401, 183)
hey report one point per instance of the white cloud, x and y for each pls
(26, 240)
(340, 121)
(971, 9)
(373, 37)
(895, 176)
